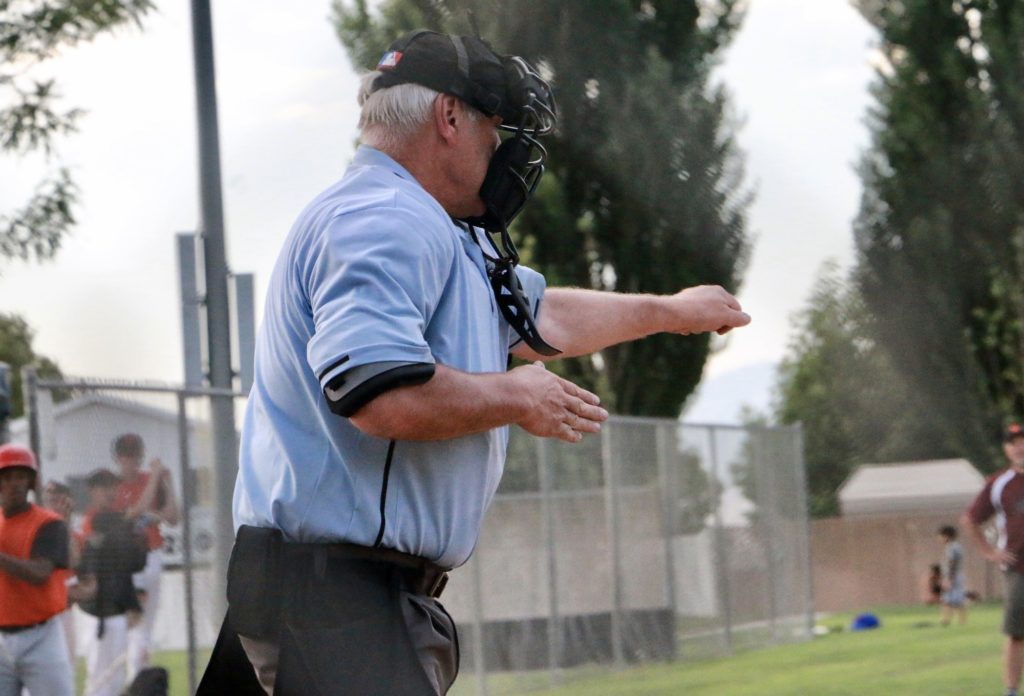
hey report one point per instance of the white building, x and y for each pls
(910, 487)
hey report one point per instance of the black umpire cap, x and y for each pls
(465, 67)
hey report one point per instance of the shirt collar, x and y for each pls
(367, 156)
(20, 511)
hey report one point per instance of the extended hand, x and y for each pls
(158, 470)
(705, 308)
(558, 408)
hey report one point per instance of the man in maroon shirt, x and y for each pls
(1002, 498)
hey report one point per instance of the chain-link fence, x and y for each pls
(652, 541)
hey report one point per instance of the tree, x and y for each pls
(31, 31)
(842, 386)
(16, 350)
(941, 225)
(644, 191)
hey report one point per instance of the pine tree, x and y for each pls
(940, 228)
(32, 31)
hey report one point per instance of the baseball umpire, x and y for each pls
(375, 432)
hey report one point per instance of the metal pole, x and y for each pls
(667, 476)
(765, 503)
(222, 409)
(5, 401)
(721, 558)
(186, 542)
(30, 399)
(554, 615)
(479, 660)
(611, 502)
(245, 319)
(801, 489)
(192, 309)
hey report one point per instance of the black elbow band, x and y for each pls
(345, 402)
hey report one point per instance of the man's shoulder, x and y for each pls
(43, 515)
(374, 197)
(1004, 475)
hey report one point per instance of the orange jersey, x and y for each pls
(21, 602)
(129, 493)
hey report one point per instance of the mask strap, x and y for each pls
(463, 58)
(508, 290)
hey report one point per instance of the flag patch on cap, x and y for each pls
(390, 60)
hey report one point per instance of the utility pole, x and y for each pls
(222, 408)
(5, 400)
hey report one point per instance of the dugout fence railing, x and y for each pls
(653, 541)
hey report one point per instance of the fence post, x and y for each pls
(547, 504)
(766, 505)
(801, 491)
(478, 627)
(611, 499)
(667, 477)
(721, 557)
(184, 472)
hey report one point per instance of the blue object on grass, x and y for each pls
(865, 622)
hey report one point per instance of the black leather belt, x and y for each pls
(19, 629)
(419, 575)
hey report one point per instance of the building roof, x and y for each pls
(20, 425)
(929, 486)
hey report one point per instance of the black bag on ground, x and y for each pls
(151, 681)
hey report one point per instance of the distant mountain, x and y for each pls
(719, 399)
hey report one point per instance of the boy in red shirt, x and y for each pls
(33, 590)
(148, 498)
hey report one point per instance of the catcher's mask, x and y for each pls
(505, 86)
(496, 85)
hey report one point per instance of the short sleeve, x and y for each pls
(51, 543)
(374, 282)
(534, 286)
(981, 509)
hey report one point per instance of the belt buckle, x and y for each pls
(437, 587)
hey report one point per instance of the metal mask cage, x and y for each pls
(531, 103)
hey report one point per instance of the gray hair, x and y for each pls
(391, 115)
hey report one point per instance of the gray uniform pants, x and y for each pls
(330, 620)
(36, 659)
(435, 647)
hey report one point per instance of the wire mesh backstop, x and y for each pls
(654, 540)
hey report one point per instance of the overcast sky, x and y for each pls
(108, 305)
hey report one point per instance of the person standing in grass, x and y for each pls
(1002, 498)
(954, 597)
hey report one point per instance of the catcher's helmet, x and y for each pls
(12, 455)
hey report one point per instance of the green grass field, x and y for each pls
(910, 655)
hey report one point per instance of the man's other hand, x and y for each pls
(558, 408)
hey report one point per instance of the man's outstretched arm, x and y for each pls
(579, 322)
(454, 403)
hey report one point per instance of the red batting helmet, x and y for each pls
(12, 455)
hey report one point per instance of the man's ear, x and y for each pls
(448, 117)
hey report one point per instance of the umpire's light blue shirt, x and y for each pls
(374, 271)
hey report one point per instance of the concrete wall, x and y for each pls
(513, 560)
(864, 562)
